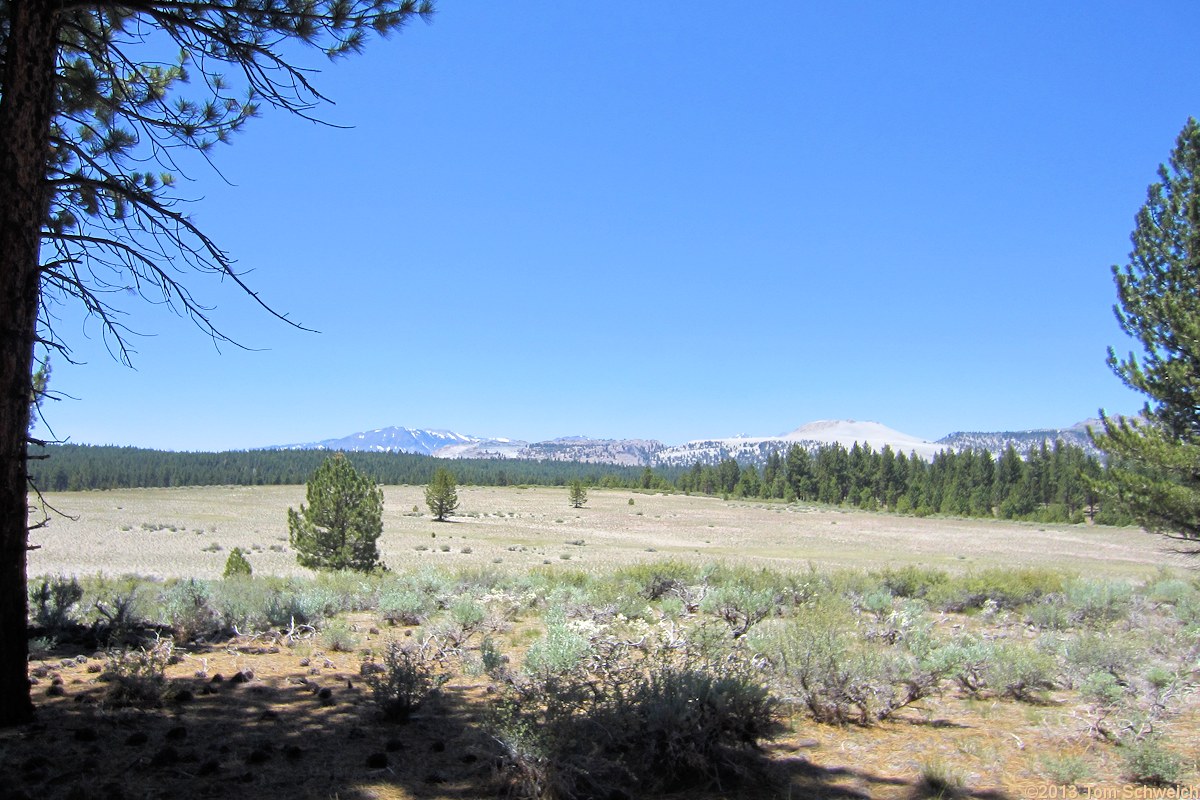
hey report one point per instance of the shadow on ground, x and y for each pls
(295, 735)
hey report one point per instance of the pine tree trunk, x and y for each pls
(26, 108)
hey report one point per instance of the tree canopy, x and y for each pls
(1155, 460)
(94, 123)
(342, 523)
(441, 495)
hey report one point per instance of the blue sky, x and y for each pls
(673, 221)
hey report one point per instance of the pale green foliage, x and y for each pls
(843, 671)
(137, 678)
(339, 527)
(441, 495)
(402, 682)
(1149, 762)
(52, 602)
(559, 652)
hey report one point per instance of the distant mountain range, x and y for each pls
(644, 452)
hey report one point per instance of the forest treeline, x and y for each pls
(1049, 483)
(71, 467)
(1046, 483)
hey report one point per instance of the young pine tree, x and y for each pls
(441, 495)
(237, 565)
(577, 494)
(342, 522)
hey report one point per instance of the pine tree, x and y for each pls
(342, 522)
(577, 494)
(441, 495)
(92, 125)
(237, 565)
(1154, 461)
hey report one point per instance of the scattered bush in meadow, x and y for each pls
(405, 606)
(1098, 603)
(237, 564)
(338, 637)
(1005, 588)
(822, 657)
(1065, 770)
(52, 603)
(137, 678)
(740, 606)
(402, 682)
(912, 581)
(599, 718)
(118, 606)
(186, 607)
(1150, 763)
(1090, 652)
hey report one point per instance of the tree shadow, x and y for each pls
(291, 734)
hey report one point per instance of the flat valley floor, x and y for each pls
(188, 532)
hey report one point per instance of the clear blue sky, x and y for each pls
(674, 221)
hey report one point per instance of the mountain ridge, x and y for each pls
(444, 443)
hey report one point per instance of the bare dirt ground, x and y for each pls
(177, 533)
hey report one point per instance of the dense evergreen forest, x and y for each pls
(1047, 483)
(70, 467)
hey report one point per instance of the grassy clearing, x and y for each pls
(513, 529)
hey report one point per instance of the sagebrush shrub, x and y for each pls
(629, 721)
(52, 602)
(403, 681)
(185, 606)
(137, 678)
(1149, 763)
(823, 657)
(405, 606)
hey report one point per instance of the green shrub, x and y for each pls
(1171, 591)
(1005, 588)
(402, 682)
(338, 636)
(1049, 613)
(643, 723)
(405, 606)
(560, 652)
(912, 581)
(237, 564)
(137, 678)
(941, 781)
(119, 608)
(1065, 770)
(184, 605)
(52, 602)
(1102, 689)
(1150, 764)
(1019, 671)
(1098, 603)
(740, 606)
(1093, 651)
(841, 676)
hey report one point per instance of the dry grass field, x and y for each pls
(171, 533)
(267, 719)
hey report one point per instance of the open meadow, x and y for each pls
(188, 532)
(645, 645)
